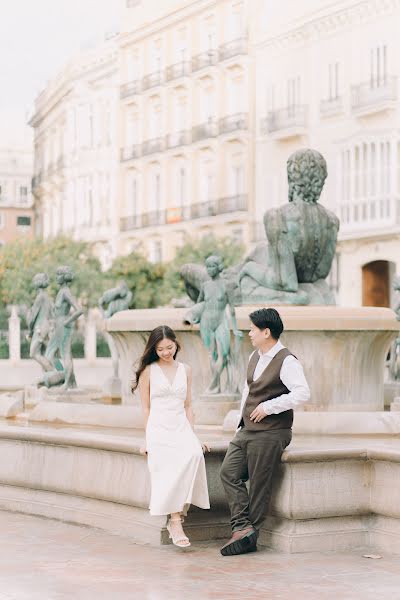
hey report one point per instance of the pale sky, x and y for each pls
(36, 38)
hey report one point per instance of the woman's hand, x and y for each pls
(205, 447)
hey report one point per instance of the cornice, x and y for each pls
(163, 24)
(315, 28)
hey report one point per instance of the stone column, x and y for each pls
(14, 335)
(90, 337)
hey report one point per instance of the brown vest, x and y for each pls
(266, 387)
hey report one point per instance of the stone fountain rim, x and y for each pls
(295, 318)
(114, 443)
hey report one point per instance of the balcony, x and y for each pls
(234, 122)
(152, 80)
(152, 146)
(286, 123)
(374, 96)
(191, 212)
(331, 107)
(233, 48)
(154, 218)
(205, 130)
(131, 152)
(179, 138)
(204, 59)
(232, 203)
(131, 222)
(130, 89)
(181, 69)
(218, 207)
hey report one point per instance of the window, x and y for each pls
(132, 3)
(293, 92)
(2, 220)
(23, 191)
(23, 221)
(333, 81)
(378, 66)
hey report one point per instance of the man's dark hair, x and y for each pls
(264, 318)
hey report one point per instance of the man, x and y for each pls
(275, 386)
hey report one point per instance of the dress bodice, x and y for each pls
(167, 398)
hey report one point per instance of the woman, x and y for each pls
(175, 455)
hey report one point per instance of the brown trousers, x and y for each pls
(252, 456)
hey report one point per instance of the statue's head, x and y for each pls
(64, 274)
(123, 287)
(307, 172)
(214, 265)
(40, 280)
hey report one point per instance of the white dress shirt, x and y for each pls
(292, 376)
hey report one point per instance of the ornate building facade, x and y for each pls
(76, 152)
(16, 200)
(186, 122)
(328, 77)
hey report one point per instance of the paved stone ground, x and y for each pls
(49, 560)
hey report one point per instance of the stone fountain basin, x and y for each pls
(343, 350)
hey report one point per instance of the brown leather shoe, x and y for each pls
(241, 542)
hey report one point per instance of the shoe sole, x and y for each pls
(247, 544)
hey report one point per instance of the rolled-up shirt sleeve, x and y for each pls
(292, 376)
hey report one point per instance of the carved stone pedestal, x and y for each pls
(211, 409)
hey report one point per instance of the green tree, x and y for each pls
(20, 260)
(144, 279)
(196, 252)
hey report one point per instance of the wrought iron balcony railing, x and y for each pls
(204, 59)
(177, 70)
(331, 106)
(233, 48)
(284, 119)
(190, 212)
(152, 80)
(152, 146)
(205, 130)
(179, 138)
(374, 93)
(131, 88)
(233, 123)
(131, 152)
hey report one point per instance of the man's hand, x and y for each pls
(258, 414)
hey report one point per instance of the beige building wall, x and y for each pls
(186, 123)
(16, 200)
(76, 153)
(327, 77)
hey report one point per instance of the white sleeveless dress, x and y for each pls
(175, 457)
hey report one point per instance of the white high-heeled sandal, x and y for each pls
(177, 540)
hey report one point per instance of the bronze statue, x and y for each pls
(61, 338)
(210, 311)
(118, 298)
(39, 320)
(301, 235)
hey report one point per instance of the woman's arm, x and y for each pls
(188, 401)
(144, 391)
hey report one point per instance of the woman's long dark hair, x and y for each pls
(162, 332)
